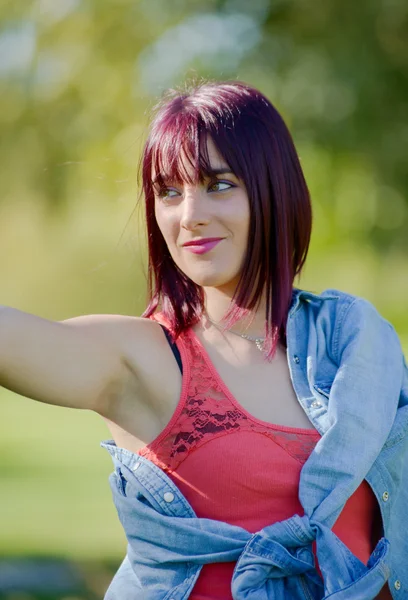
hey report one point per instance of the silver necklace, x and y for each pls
(259, 341)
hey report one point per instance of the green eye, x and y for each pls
(167, 193)
(216, 186)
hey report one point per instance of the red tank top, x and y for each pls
(235, 468)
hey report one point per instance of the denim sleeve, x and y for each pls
(362, 406)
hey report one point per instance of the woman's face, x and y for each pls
(205, 225)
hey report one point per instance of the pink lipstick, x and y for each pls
(202, 246)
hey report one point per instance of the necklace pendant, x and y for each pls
(259, 343)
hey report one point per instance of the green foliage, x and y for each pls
(78, 77)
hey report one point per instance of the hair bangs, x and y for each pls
(179, 152)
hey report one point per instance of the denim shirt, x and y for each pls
(351, 378)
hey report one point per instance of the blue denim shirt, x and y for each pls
(350, 376)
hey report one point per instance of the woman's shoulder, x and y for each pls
(342, 304)
(358, 310)
(346, 318)
(152, 384)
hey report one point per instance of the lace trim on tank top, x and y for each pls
(207, 410)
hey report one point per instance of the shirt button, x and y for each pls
(397, 584)
(385, 496)
(168, 496)
(136, 466)
(316, 404)
(296, 359)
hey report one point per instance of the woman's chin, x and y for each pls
(215, 280)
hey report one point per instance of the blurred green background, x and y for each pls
(78, 79)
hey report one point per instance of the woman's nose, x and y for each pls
(194, 210)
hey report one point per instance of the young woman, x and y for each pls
(274, 420)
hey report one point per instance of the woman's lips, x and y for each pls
(202, 247)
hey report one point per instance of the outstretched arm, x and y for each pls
(76, 363)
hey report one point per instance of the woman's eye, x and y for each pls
(220, 186)
(167, 193)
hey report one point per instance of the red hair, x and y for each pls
(252, 137)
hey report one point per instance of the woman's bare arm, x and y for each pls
(77, 363)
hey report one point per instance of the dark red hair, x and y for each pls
(252, 137)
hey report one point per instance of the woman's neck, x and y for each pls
(217, 301)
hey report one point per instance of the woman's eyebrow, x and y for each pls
(220, 171)
(160, 178)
